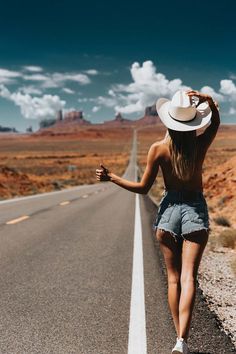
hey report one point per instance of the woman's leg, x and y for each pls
(191, 256)
(172, 256)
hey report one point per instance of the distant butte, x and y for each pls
(119, 120)
(150, 117)
(72, 117)
(71, 121)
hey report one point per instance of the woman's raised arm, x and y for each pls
(209, 134)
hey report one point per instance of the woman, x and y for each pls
(182, 222)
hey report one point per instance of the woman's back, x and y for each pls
(171, 181)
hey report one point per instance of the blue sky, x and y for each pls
(104, 57)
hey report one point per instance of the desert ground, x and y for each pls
(32, 164)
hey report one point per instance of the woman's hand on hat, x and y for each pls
(202, 97)
(103, 174)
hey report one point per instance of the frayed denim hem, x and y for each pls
(175, 236)
(168, 230)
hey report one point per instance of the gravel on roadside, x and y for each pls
(218, 283)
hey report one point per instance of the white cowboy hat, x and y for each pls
(182, 115)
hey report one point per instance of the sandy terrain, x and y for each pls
(34, 164)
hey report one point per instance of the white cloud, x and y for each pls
(105, 101)
(9, 73)
(210, 91)
(77, 77)
(7, 80)
(4, 92)
(8, 76)
(91, 72)
(84, 99)
(33, 68)
(36, 77)
(146, 87)
(232, 111)
(228, 88)
(58, 79)
(227, 94)
(96, 109)
(111, 93)
(31, 90)
(68, 90)
(44, 80)
(34, 107)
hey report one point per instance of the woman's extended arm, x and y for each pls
(147, 180)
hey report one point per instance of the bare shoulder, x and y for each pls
(158, 148)
(158, 145)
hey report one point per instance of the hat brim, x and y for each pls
(202, 118)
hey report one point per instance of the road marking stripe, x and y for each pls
(85, 196)
(50, 194)
(14, 221)
(65, 203)
(137, 325)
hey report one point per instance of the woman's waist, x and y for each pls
(183, 195)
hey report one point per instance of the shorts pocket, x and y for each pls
(164, 212)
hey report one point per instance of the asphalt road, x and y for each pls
(72, 267)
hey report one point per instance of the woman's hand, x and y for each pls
(202, 97)
(102, 175)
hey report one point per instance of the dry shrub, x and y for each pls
(213, 243)
(222, 220)
(222, 200)
(210, 208)
(227, 238)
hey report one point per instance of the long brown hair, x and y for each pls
(183, 151)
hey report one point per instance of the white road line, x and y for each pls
(137, 326)
(65, 203)
(41, 195)
(14, 221)
(85, 196)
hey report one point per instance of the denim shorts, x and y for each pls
(180, 216)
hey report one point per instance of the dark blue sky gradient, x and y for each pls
(194, 41)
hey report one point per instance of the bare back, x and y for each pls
(173, 182)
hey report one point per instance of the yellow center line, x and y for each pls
(65, 203)
(14, 221)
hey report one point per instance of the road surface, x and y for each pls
(81, 272)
